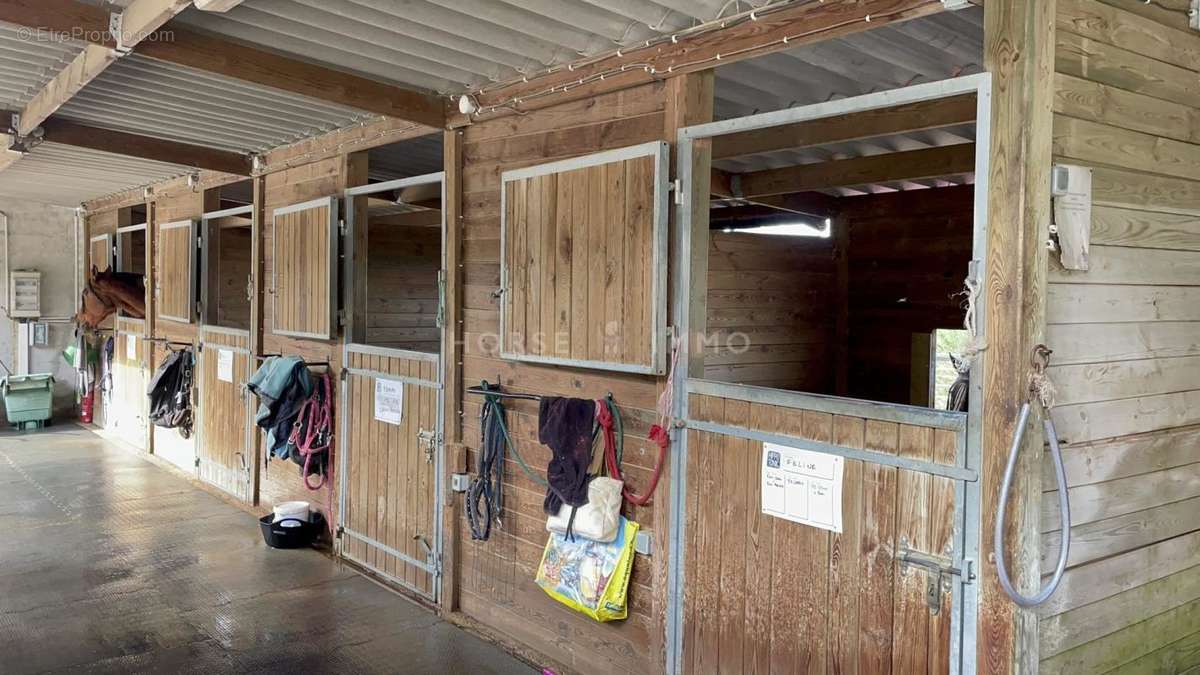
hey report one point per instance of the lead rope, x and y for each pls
(313, 434)
(610, 422)
(1042, 391)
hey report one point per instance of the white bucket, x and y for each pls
(297, 510)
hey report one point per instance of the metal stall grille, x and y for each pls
(893, 584)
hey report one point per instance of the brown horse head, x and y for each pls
(106, 292)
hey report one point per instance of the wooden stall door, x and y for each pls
(176, 264)
(583, 265)
(129, 379)
(764, 594)
(304, 241)
(391, 453)
(223, 412)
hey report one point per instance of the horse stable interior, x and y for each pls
(887, 238)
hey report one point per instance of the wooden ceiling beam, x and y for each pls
(67, 132)
(894, 166)
(787, 28)
(919, 116)
(218, 56)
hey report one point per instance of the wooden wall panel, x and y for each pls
(402, 285)
(908, 258)
(230, 277)
(1126, 335)
(765, 594)
(579, 280)
(497, 587)
(771, 311)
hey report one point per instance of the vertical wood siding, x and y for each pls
(765, 595)
(302, 278)
(579, 246)
(130, 379)
(402, 283)
(1126, 336)
(223, 417)
(390, 478)
(175, 293)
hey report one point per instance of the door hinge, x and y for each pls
(441, 310)
(341, 317)
(938, 571)
(677, 188)
(342, 227)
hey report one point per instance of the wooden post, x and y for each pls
(1019, 52)
(454, 451)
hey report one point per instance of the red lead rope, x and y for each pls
(313, 432)
(605, 417)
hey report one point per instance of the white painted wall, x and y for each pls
(45, 238)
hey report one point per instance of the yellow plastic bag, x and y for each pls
(588, 576)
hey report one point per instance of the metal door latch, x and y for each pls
(938, 571)
(428, 440)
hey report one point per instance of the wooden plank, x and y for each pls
(736, 462)
(1079, 626)
(703, 637)
(1093, 463)
(919, 116)
(1126, 645)
(596, 231)
(907, 165)
(1114, 26)
(1098, 102)
(941, 542)
(876, 548)
(913, 521)
(1104, 538)
(846, 569)
(1107, 303)
(638, 211)
(615, 293)
(1110, 419)
(1173, 13)
(1145, 229)
(66, 132)
(759, 544)
(1091, 383)
(564, 231)
(1093, 60)
(1105, 578)
(1095, 143)
(1099, 343)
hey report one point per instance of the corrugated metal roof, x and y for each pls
(28, 60)
(413, 157)
(144, 96)
(67, 175)
(453, 45)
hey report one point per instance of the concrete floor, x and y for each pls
(110, 564)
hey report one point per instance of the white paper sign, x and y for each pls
(131, 347)
(224, 365)
(802, 486)
(389, 401)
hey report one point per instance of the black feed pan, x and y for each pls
(300, 536)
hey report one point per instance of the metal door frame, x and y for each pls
(206, 257)
(967, 428)
(249, 466)
(433, 563)
(119, 248)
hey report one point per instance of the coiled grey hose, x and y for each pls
(1064, 508)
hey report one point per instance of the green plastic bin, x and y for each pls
(27, 399)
